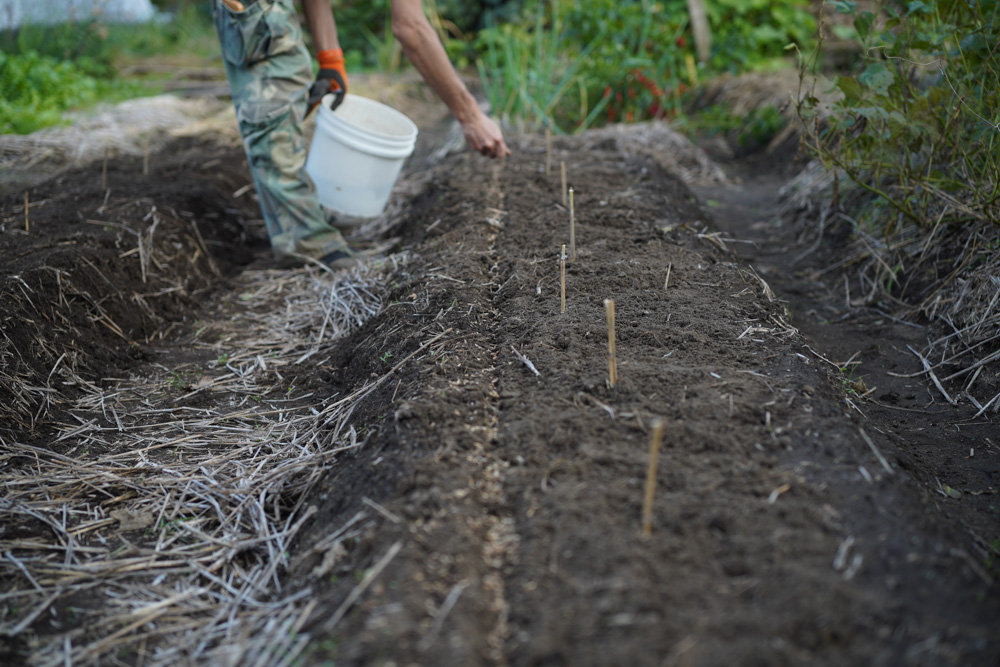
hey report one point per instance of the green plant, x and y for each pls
(176, 381)
(46, 70)
(572, 65)
(750, 130)
(36, 89)
(639, 64)
(747, 34)
(917, 126)
(527, 72)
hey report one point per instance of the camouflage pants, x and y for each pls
(270, 71)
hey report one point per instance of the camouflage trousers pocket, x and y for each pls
(263, 29)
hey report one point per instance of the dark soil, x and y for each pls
(74, 283)
(515, 498)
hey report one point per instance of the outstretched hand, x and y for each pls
(484, 135)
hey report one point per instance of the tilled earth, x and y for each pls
(507, 495)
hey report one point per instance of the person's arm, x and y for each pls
(332, 77)
(423, 48)
(321, 25)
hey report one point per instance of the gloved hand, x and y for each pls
(332, 78)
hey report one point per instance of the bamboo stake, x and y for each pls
(562, 168)
(609, 308)
(572, 228)
(548, 151)
(104, 170)
(26, 210)
(655, 439)
(666, 283)
(145, 158)
(562, 282)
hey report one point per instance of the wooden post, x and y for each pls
(145, 158)
(655, 439)
(548, 151)
(572, 228)
(26, 210)
(609, 309)
(562, 261)
(562, 168)
(104, 170)
(699, 26)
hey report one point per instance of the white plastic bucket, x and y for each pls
(356, 154)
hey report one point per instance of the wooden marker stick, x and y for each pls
(548, 151)
(655, 439)
(562, 261)
(104, 170)
(25, 210)
(145, 158)
(562, 168)
(609, 308)
(572, 228)
(666, 283)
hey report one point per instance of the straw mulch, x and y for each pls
(944, 275)
(163, 512)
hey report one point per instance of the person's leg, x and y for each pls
(270, 71)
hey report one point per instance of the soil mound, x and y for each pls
(450, 479)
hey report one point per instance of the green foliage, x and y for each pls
(364, 29)
(35, 89)
(527, 74)
(95, 47)
(639, 59)
(632, 58)
(917, 125)
(45, 70)
(750, 130)
(750, 33)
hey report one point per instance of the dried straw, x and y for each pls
(175, 522)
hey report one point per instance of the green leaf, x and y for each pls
(844, 6)
(863, 24)
(850, 88)
(878, 77)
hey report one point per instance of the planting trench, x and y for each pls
(391, 482)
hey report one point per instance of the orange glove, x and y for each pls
(332, 78)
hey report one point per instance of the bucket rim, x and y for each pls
(331, 115)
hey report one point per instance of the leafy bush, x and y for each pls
(36, 89)
(918, 125)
